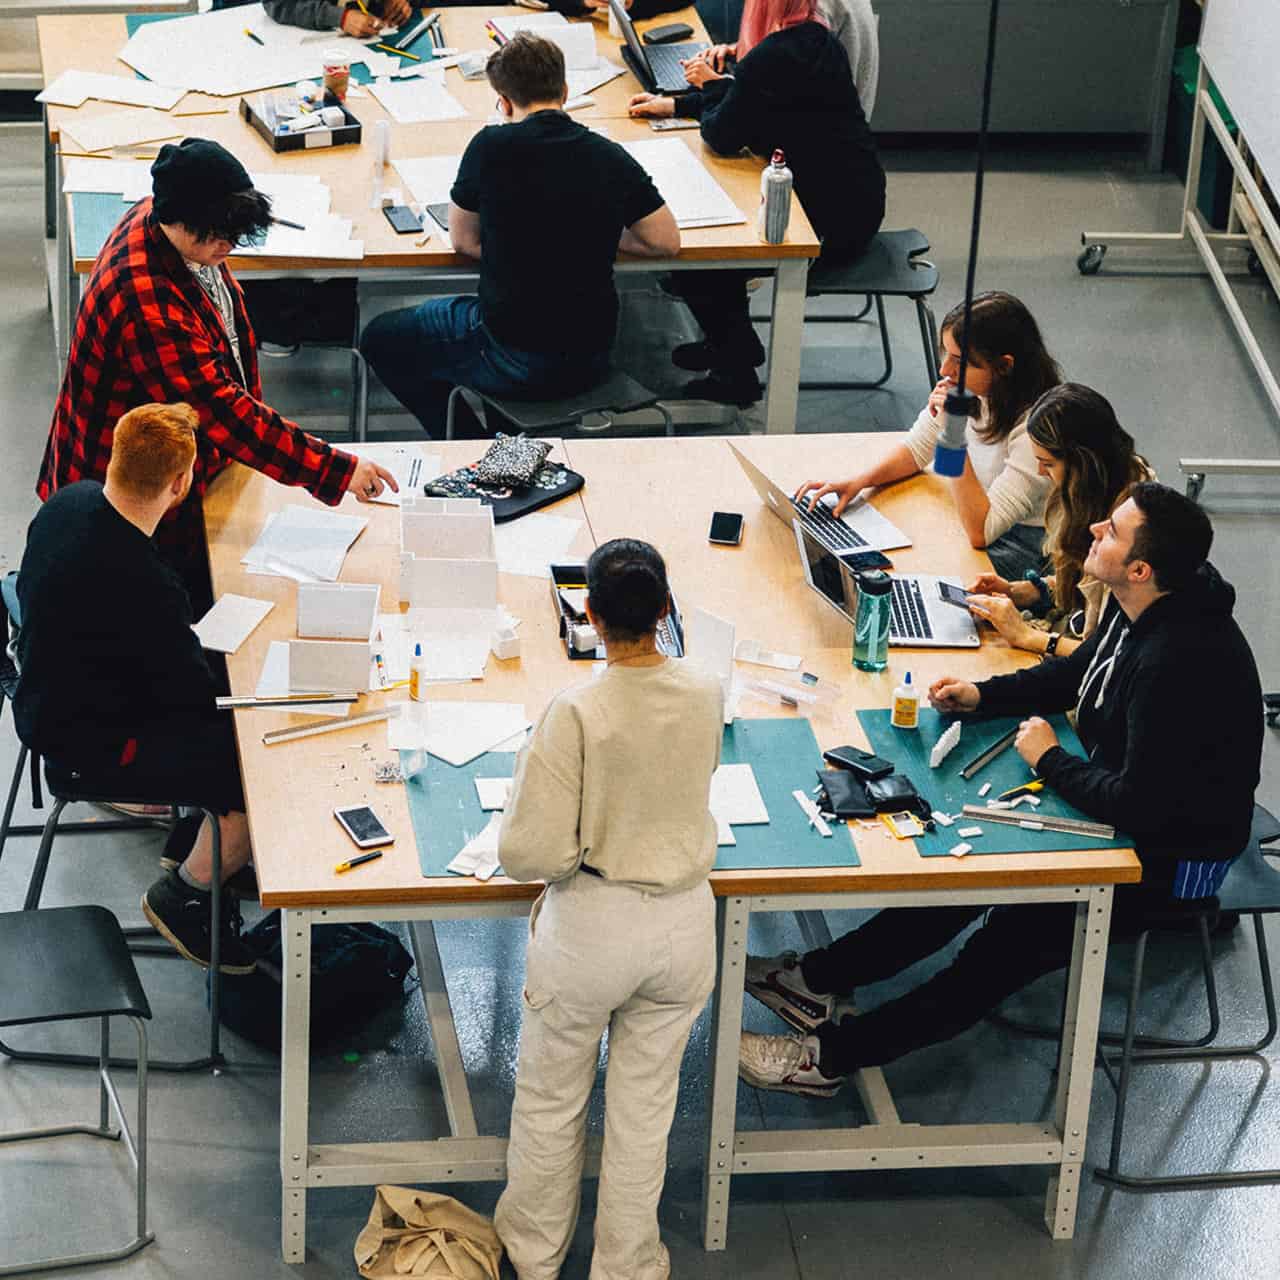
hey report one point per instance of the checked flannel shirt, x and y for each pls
(146, 332)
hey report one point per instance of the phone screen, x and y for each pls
(953, 595)
(439, 214)
(362, 824)
(726, 526)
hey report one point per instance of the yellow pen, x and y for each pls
(356, 862)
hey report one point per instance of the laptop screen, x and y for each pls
(826, 573)
(634, 43)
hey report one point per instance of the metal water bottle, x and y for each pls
(775, 200)
(871, 622)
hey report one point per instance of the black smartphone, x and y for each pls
(440, 216)
(667, 35)
(861, 561)
(953, 595)
(726, 528)
(403, 220)
(863, 763)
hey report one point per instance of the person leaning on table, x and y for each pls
(114, 687)
(162, 320)
(610, 806)
(1166, 696)
(348, 17)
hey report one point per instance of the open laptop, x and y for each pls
(656, 66)
(919, 617)
(860, 528)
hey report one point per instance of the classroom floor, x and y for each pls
(1159, 344)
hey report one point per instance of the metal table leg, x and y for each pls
(444, 1034)
(786, 337)
(295, 1073)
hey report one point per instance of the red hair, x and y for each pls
(762, 18)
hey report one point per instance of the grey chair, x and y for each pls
(616, 394)
(73, 963)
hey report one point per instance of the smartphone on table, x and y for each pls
(865, 764)
(726, 528)
(363, 826)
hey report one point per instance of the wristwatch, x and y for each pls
(1032, 576)
(1051, 647)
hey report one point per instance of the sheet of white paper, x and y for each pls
(120, 129)
(456, 732)
(110, 176)
(509, 746)
(72, 88)
(411, 465)
(328, 666)
(752, 651)
(528, 545)
(709, 642)
(420, 99)
(337, 610)
(735, 797)
(493, 792)
(583, 80)
(694, 197)
(230, 622)
(479, 856)
(429, 179)
(724, 833)
(273, 682)
(306, 538)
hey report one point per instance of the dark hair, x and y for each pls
(999, 325)
(627, 587)
(244, 217)
(1174, 537)
(1079, 427)
(527, 69)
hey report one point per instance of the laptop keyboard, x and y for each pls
(909, 619)
(834, 534)
(665, 60)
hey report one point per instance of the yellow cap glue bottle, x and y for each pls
(418, 676)
(906, 706)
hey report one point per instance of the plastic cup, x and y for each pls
(337, 73)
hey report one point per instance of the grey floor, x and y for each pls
(1155, 340)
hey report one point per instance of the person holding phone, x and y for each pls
(1090, 461)
(609, 806)
(1001, 495)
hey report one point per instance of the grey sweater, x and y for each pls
(316, 15)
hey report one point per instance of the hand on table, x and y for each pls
(1005, 616)
(1035, 737)
(950, 695)
(717, 55)
(368, 480)
(846, 489)
(651, 105)
(359, 25)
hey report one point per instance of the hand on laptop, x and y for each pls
(698, 72)
(846, 490)
(716, 56)
(950, 695)
(653, 105)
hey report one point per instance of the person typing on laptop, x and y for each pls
(1166, 696)
(792, 90)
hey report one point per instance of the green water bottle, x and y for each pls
(871, 624)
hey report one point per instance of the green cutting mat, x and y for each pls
(783, 753)
(947, 792)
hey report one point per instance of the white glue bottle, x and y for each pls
(418, 676)
(775, 200)
(906, 706)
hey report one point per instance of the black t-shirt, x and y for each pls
(553, 198)
(106, 647)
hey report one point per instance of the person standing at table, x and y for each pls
(545, 205)
(1001, 495)
(609, 806)
(1167, 703)
(162, 320)
(791, 90)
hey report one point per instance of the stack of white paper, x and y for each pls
(304, 543)
(582, 80)
(411, 465)
(305, 200)
(273, 682)
(456, 732)
(230, 622)
(530, 545)
(131, 179)
(73, 88)
(417, 100)
(120, 129)
(694, 197)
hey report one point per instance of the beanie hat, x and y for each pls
(196, 174)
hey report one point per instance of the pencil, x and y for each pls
(186, 115)
(389, 48)
(284, 222)
(255, 39)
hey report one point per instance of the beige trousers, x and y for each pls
(641, 965)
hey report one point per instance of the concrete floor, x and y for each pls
(1159, 344)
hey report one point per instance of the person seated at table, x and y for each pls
(1001, 495)
(163, 320)
(1166, 696)
(350, 17)
(791, 90)
(610, 807)
(1090, 462)
(545, 205)
(114, 687)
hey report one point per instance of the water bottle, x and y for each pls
(871, 623)
(775, 200)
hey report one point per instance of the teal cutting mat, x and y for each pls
(947, 792)
(94, 215)
(783, 753)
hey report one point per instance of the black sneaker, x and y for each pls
(694, 356)
(181, 915)
(244, 884)
(697, 356)
(742, 390)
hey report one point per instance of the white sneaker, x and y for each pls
(787, 1063)
(778, 982)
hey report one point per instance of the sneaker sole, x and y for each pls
(235, 970)
(777, 1086)
(785, 1004)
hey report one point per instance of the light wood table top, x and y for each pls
(664, 491)
(92, 44)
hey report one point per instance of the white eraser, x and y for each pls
(968, 833)
(942, 819)
(984, 789)
(945, 744)
(960, 850)
(999, 804)
(1031, 825)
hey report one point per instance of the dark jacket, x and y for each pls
(1169, 710)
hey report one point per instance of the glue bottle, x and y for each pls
(418, 676)
(906, 705)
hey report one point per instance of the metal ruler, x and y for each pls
(1067, 826)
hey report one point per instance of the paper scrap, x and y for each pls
(735, 796)
(984, 789)
(529, 546)
(73, 88)
(312, 541)
(724, 833)
(967, 833)
(120, 129)
(751, 651)
(273, 682)
(230, 622)
(456, 732)
(479, 856)
(942, 819)
(959, 850)
(493, 792)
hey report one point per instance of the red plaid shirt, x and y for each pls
(146, 332)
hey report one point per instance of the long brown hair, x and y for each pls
(1000, 325)
(1100, 466)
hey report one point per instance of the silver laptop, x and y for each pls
(919, 618)
(656, 66)
(860, 528)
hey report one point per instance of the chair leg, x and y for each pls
(885, 348)
(140, 1137)
(866, 306)
(929, 337)
(449, 412)
(37, 792)
(668, 421)
(1126, 1055)
(215, 942)
(359, 417)
(12, 798)
(35, 886)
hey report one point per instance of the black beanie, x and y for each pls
(195, 174)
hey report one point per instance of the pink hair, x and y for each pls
(762, 18)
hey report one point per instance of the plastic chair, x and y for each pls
(71, 963)
(616, 394)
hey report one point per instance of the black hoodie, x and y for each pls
(1169, 710)
(794, 91)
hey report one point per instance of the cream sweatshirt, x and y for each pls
(617, 774)
(853, 23)
(1006, 470)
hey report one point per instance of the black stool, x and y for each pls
(617, 394)
(71, 963)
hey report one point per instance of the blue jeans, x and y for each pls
(1018, 550)
(421, 353)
